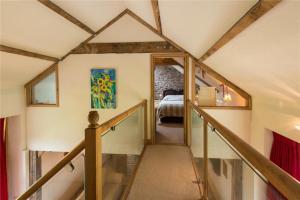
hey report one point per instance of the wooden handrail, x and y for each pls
(93, 150)
(44, 179)
(68, 158)
(117, 119)
(281, 180)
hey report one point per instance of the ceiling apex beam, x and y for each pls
(155, 8)
(151, 28)
(258, 10)
(108, 24)
(125, 47)
(206, 68)
(66, 15)
(26, 53)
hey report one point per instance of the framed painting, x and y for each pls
(103, 88)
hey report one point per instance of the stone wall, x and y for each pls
(167, 77)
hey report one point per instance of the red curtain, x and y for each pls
(3, 174)
(286, 154)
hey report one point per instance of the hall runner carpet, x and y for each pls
(165, 172)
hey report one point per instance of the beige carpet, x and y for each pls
(169, 133)
(165, 172)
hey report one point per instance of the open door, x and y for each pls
(169, 94)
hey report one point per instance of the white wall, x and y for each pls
(278, 116)
(16, 156)
(12, 100)
(268, 116)
(67, 182)
(61, 128)
(12, 107)
(238, 121)
(128, 136)
(268, 142)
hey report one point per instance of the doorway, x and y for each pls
(169, 93)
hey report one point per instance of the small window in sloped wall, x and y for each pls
(44, 90)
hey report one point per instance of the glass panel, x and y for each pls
(121, 150)
(44, 92)
(212, 92)
(68, 183)
(197, 145)
(230, 176)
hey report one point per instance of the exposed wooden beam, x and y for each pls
(258, 10)
(127, 47)
(83, 43)
(171, 61)
(206, 68)
(26, 53)
(167, 61)
(151, 28)
(108, 24)
(204, 82)
(155, 8)
(139, 19)
(66, 15)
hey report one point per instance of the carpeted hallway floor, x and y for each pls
(169, 133)
(165, 172)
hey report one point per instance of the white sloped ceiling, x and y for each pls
(126, 29)
(197, 25)
(265, 58)
(31, 26)
(96, 13)
(93, 13)
(252, 60)
(16, 70)
(142, 8)
(265, 61)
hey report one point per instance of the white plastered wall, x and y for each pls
(61, 128)
(13, 109)
(67, 182)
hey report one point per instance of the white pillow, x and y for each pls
(173, 98)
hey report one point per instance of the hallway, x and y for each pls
(165, 172)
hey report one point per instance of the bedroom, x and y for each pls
(168, 83)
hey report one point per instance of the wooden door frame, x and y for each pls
(186, 92)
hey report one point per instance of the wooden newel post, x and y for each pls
(93, 158)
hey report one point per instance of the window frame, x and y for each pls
(29, 87)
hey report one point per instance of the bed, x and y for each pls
(171, 107)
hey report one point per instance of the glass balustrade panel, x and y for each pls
(230, 176)
(197, 145)
(122, 146)
(68, 183)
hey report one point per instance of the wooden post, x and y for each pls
(205, 157)
(93, 158)
(189, 124)
(145, 122)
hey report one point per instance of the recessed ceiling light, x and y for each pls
(298, 127)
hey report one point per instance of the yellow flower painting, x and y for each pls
(103, 88)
